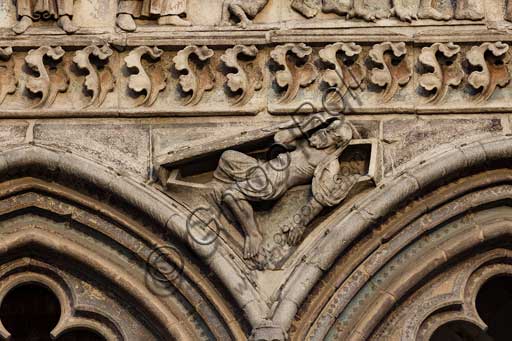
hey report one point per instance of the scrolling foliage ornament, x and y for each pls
(46, 83)
(491, 61)
(8, 79)
(197, 75)
(444, 69)
(296, 69)
(148, 82)
(99, 81)
(248, 77)
(393, 68)
(349, 70)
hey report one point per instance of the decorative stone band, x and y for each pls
(361, 78)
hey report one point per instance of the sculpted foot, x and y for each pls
(432, 13)
(22, 25)
(404, 14)
(125, 22)
(470, 14)
(252, 245)
(358, 12)
(294, 235)
(66, 24)
(173, 20)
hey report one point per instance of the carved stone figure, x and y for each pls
(30, 10)
(241, 179)
(168, 12)
(405, 10)
(243, 10)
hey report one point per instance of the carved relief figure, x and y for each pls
(241, 179)
(168, 12)
(243, 10)
(30, 10)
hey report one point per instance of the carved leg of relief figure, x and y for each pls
(239, 12)
(125, 22)
(173, 20)
(406, 10)
(244, 214)
(469, 10)
(427, 10)
(22, 25)
(508, 11)
(359, 10)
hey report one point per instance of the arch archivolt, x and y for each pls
(103, 253)
(376, 281)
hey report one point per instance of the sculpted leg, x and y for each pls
(427, 10)
(239, 12)
(469, 10)
(359, 10)
(508, 12)
(66, 24)
(125, 22)
(173, 20)
(22, 25)
(244, 214)
(403, 12)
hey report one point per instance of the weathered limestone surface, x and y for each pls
(262, 170)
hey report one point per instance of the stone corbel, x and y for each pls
(248, 77)
(8, 81)
(98, 81)
(46, 83)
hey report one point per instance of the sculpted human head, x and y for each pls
(337, 133)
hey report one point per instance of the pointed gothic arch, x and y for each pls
(104, 245)
(445, 211)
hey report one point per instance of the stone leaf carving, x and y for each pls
(393, 69)
(149, 82)
(248, 77)
(349, 71)
(445, 70)
(98, 81)
(8, 79)
(197, 75)
(45, 83)
(492, 59)
(296, 69)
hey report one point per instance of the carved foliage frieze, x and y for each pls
(50, 78)
(99, 80)
(247, 77)
(295, 69)
(392, 69)
(146, 82)
(8, 79)
(345, 67)
(443, 69)
(197, 75)
(492, 69)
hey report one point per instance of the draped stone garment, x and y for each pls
(46, 9)
(256, 180)
(148, 8)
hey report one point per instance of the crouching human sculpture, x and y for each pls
(241, 179)
(167, 12)
(30, 10)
